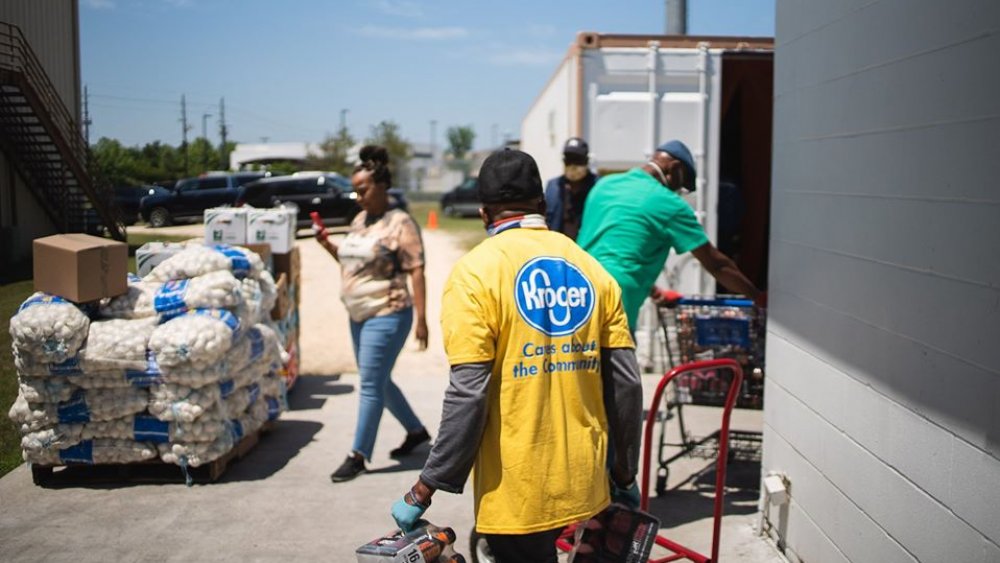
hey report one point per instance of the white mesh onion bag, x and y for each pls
(48, 328)
(214, 290)
(197, 339)
(196, 261)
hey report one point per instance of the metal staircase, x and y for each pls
(43, 141)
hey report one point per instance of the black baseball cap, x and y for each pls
(576, 146)
(509, 175)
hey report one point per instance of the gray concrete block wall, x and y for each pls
(883, 397)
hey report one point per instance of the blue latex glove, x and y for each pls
(407, 515)
(629, 496)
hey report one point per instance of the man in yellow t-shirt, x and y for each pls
(544, 380)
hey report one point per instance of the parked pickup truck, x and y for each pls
(190, 197)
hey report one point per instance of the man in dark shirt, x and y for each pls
(566, 194)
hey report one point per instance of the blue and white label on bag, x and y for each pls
(169, 299)
(80, 453)
(67, 368)
(256, 343)
(145, 377)
(273, 407)
(42, 299)
(75, 410)
(226, 388)
(236, 429)
(147, 428)
(238, 261)
(553, 296)
(222, 315)
(254, 392)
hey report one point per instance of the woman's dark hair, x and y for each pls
(375, 159)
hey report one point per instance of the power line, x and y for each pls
(283, 123)
(146, 100)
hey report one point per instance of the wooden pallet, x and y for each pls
(152, 471)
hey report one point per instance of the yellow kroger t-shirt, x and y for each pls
(542, 308)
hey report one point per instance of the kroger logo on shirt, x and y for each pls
(553, 296)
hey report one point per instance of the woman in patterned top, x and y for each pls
(382, 248)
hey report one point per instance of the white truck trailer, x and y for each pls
(627, 94)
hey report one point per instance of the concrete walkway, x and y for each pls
(278, 504)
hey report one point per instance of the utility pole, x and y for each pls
(434, 124)
(86, 115)
(205, 145)
(343, 120)
(223, 131)
(676, 17)
(184, 132)
(204, 129)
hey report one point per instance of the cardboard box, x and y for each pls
(226, 225)
(289, 263)
(264, 251)
(275, 226)
(80, 267)
(283, 304)
(152, 253)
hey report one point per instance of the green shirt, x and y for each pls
(630, 223)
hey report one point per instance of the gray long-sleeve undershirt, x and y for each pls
(466, 406)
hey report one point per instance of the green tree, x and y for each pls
(460, 140)
(333, 155)
(202, 156)
(226, 149)
(386, 133)
(112, 163)
(459, 144)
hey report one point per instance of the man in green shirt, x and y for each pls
(632, 220)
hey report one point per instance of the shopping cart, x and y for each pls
(678, 551)
(708, 328)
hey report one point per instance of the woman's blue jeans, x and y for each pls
(377, 343)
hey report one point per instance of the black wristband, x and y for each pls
(415, 502)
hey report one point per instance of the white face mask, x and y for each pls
(575, 172)
(663, 179)
(659, 173)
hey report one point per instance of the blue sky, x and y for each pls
(286, 69)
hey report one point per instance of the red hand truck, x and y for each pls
(678, 551)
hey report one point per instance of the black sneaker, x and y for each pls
(351, 468)
(410, 443)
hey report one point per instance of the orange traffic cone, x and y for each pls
(432, 220)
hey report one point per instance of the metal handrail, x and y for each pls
(16, 55)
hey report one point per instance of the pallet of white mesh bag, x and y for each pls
(80, 472)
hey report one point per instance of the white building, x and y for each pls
(246, 155)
